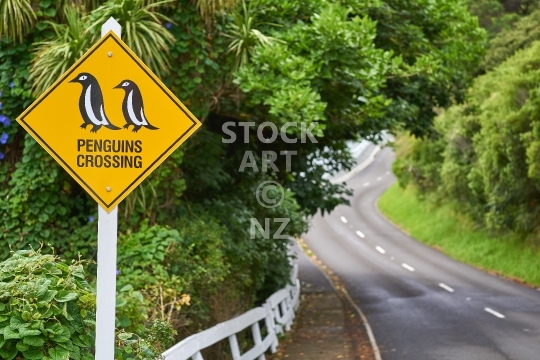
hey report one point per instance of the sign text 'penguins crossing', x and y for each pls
(109, 153)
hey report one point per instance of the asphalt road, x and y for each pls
(420, 303)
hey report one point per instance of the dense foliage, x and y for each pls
(498, 16)
(340, 70)
(486, 153)
(45, 309)
(47, 312)
(522, 34)
(482, 155)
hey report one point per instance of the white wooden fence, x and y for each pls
(278, 313)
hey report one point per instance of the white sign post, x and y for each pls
(106, 263)
(106, 283)
(109, 61)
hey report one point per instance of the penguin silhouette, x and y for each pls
(91, 103)
(133, 107)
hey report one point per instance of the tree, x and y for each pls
(486, 155)
(349, 70)
(505, 44)
(442, 42)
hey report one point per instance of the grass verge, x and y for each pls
(441, 227)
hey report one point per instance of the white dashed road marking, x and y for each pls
(359, 233)
(366, 184)
(379, 178)
(493, 312)
(343, 219)
(408, 267)
(446, 287)
(380, 249)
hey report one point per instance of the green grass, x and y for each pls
(441, 227)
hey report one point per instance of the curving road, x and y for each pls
(421, 304)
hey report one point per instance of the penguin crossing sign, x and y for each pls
(109, 140)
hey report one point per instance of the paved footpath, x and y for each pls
(325, 327)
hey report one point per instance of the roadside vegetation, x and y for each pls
(448, 230)
(481, 161)
(345, 69)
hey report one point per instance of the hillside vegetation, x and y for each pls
(449, 231)
(483, 156)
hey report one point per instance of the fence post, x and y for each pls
(235, 349)
(257, 339)
(278, 313)
(269, 322)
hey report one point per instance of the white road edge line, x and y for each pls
(380, 249)
(446, 287)
(344, 219)
(493, 312)
(408, 267)
(359, 233)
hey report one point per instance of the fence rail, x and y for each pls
(278, 313)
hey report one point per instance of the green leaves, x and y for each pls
(521, 35)
(65, 295)
(40, 308)
(244, 36)
(36, 341)
(24, 332)
(440, 45)
(133, 347)
(52, 57)
(10, 333)
(208, 8)
(59, 353)
(35, 352)
(16, 19)
(143, 29)
(486, 156)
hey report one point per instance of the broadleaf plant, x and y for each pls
(46, 308)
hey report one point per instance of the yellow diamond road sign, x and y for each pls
(109, 121)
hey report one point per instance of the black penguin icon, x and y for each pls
(91, 103)
(133, 107)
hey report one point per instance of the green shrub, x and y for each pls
(46, 308)
(130, 346)
(163, 270)
(505, 44)
(486, 156)
(47, 311)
